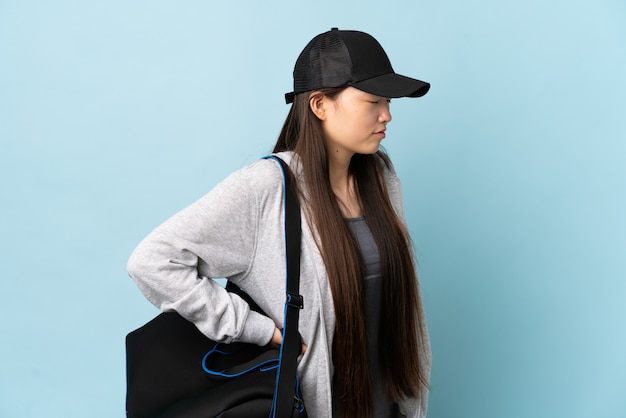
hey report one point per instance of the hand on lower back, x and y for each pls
(277, 340)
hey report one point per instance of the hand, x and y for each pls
(277, 340)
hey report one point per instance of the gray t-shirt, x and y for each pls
(373, 288)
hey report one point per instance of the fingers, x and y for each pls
(277, 340)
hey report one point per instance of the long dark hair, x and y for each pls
(401, 337)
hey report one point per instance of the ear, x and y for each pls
(318, 103)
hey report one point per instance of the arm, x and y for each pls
(214, 237)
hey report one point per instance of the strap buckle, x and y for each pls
(295, 301)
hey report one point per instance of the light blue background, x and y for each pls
(114, 115)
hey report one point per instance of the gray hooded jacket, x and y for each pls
(236, 231)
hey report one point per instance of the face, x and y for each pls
(354, 122)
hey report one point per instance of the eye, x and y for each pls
(378, 101)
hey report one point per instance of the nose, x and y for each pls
(385, 114)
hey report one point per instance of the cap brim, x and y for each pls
(393, 86)
(390, 85)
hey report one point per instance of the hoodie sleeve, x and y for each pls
(214, 237)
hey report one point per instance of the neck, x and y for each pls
(338, 169)
(343, 186)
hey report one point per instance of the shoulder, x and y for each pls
(392, 183)
(388, 172)
(260, 175)
(259, 179)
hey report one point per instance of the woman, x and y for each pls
(357, 270)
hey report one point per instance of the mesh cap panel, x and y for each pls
(322, 64)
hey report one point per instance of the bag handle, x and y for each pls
(264, 362)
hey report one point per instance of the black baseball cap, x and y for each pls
(340, 58)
